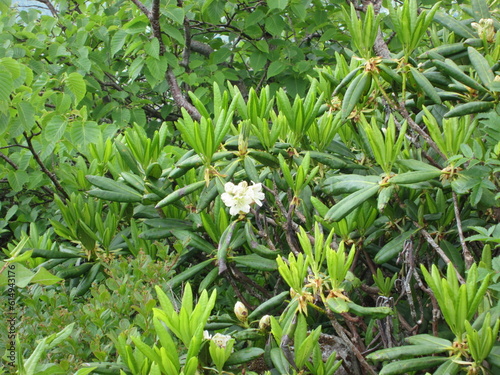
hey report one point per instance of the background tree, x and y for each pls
(373, 124)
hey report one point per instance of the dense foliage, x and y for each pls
(281, 186)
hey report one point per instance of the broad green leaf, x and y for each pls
(26, 114)
(5, 85)
(277, 4)
(152, 48)
(44, 277)
(84, 132)
(55, 128)
(275, 68)
(76, 86)
(275, 25)
(117, 41)
(175, 14)
(17, 179)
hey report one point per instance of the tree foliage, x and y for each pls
(373, 123)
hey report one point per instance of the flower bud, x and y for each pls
(485, 29)
(265, 323)
(241, 312)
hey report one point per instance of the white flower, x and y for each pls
(255, 192)
(239, 197)
(206, 335)
(221, 340)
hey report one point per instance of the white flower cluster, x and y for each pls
(239, 197)
(219, 339)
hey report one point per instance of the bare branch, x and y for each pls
(142, 8)
(201, 48)
(179, 99)
(469, 260)
(440, 252)
(8, 160)
(49, 5)
(340, 331)
(60, 190)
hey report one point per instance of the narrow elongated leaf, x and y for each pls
(409, 365)
(392, 248)
(354, 93)
(349, 203)
(481, 66)
(454, 25)
(117, 187)
(178, 194)
(424, 84)
(401, 352)
(244, 356)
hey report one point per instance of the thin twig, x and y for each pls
(60, 190)
(340, 331)
(8, 160)
(142, 8)
(440, 252)
(469, 260)
(154, 19)
(49, 5)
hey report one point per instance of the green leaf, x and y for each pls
(5, 85)
(256, 262)
(152, 48)
(454, 25)
(44, 277)
(244, 356)
(391, 249)
(26, 114)
(407, 351)
(275, 25)
(409, 365)
(481, 66)
(76, 86)
(17, 179)
(117, 41)
(175, 14)
(55, 128)
(349, 203)
(275, 68)
(277, 4)
(84, 132)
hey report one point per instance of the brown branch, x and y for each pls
(229, 277)
(340, 332)
(201, 48)
(440, 251)
(251, 286)
(49, 5)
(60, 190)
(16, 167)
(8, 160)
(179, 99)
(154, 19)
(142, 8)
(469, 260)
